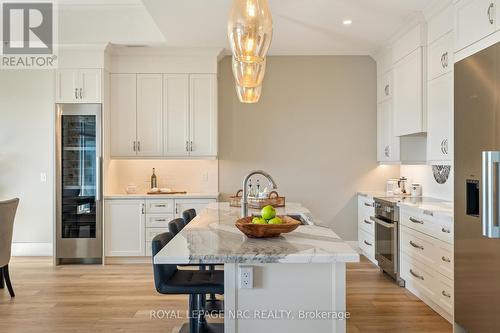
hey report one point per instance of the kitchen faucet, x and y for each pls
(244, 199)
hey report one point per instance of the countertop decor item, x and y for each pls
(441, 173)
(252, 230)
(274, 200)
(169, 192)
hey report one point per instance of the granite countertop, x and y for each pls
(213, 238)
(162, 196)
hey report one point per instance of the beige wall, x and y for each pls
(314, 130)
(27, 116)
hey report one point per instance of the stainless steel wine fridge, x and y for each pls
(78, 184)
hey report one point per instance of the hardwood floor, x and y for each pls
(120, 298)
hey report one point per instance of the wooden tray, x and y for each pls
(251, 230)
(274, 200)
(171, 192)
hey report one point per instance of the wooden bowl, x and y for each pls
(266, 230)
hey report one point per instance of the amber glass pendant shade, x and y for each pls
(249, 74)
(249, 95)
(250, 30)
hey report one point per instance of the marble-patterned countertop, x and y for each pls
(161, 196)
(212, 238)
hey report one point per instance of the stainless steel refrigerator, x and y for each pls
(78, 231)
(477, 192)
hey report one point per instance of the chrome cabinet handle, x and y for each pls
(81, 96)
(387, 151)
(160, 220)
(160, 206)
(191, 146)
(187, 145)
(414, 220)
(445, 294)
(176, 209)
(386, 90)
(416, 245)
(489, 182)
(490, 17)
(367, 222)
(443, 258)
(445, 230)
(444, 60)
(368, 205)
(76, 93)
(416, 275)
(369, 244)
(135, 146)
(142, 209)
(138, 145)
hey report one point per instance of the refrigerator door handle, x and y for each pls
(490, 189)
(98, 179)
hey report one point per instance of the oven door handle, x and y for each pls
(383, 223)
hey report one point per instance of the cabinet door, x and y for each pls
(90, 85)
(67, 86)
(123, 115)
(474, 19)
(185, 204)
(440, 56)
(176, 115)
(149, 115)
(203, 115)
(408, 95)
(124, 228)
(388, 144)
(440, 118)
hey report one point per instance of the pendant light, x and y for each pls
(250, 29)
(248, 95)
(249, 74)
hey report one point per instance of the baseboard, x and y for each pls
(32, 250)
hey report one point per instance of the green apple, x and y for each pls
(275, 220)
(268, 212)
(258, 220)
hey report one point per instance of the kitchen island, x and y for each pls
(298, 278)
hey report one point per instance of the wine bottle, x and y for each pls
(154, 184)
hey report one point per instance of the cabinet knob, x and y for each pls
(446, 230)
(443, 258)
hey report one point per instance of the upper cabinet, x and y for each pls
(165, 115)
(474, 20)
(409, 111)
(79, 86)
(388, 143)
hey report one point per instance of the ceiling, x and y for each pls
(301, 27)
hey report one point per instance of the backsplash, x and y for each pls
(424, 175)
(195, 176)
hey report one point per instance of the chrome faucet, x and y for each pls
(244, 199)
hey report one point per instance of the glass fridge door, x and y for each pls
(79, 168)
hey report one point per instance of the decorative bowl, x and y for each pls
(266, 230)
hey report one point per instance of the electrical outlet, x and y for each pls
(246, 277)
(43, 177)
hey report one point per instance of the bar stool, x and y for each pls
(175, 226)
(7, 215)
(169, 280)
(188, 215)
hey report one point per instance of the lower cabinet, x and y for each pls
(131, 225)
(366, 227)
(124, 228)
(426, 260)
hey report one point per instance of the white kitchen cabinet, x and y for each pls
(79, 86)
(203, 115)
(474, 20)
(149, 115)
(440, 24)
(409, 110)
(385, 86)
(123, 115)
(387, 142)
(176, 115)
(366, 227)
(440, 119)
(124, 228)
(184, 204)
(440, 57)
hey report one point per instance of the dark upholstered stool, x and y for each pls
(170, 280)
(175, 226)
(188, 215)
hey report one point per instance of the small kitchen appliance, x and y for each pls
(415, 190)
(391, 186)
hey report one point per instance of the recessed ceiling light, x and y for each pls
(347, 22)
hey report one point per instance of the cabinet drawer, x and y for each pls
(367, 225)
(418, 246)
(444, 293)
(428, 224)
(160, 206)
(419, 276)
(158, 220)
(440, 56)
(365, 207)
(366, 243)
(152, 232)
(445, 261)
